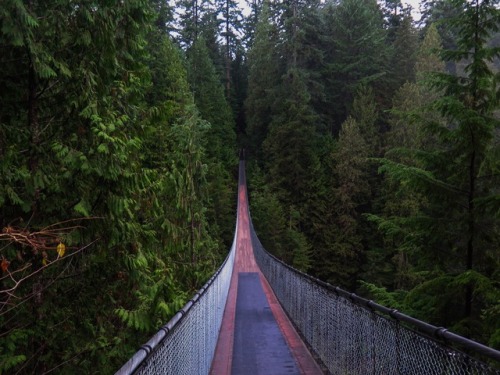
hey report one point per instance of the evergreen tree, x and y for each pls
(231, 27)
(341, 265)
(71, 121)
(183, 253)
(439, 13)
(405, 48)
(263, 77)
(289, 146)
(394, 13)
(357, 54)
(469, 104)
(289, 151)
(428, 59)
(283, 238)
(393, 266)
(191, 13)
(211, 102)
(456, 232)
(108, 149)
(239, 78)
(220, 138)
(365, 112)
(251, 21)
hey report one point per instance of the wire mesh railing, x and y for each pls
(186, 344)
(352, 335)
(349, 334)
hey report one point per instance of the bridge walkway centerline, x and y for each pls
(256, 336)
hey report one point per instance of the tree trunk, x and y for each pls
(228, 53)
(469, 290)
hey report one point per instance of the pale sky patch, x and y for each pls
(415, 4)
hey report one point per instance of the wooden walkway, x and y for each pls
(256, 336)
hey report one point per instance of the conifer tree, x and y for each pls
(250, 22)
(365, 112)
(211, 102)
(263, 77)
(220, 138)
(191, 14)
(114, 147)
(439, 13)
(80, 128)
(289, 146)
(455, 233)
(182, 252)
(428, 59)
(357, 54)
(231, 27)
(404, 50)
(289, 150)
(394, 265)
(341, 265)
(469, 104)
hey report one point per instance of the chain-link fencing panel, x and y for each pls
(351, 335)
(186, 344)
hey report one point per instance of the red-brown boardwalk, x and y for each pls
(256, 336)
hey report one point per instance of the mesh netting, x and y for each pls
(349, 337)
(186, 344)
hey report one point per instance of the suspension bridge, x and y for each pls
(257, 315)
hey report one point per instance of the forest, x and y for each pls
(372, 145)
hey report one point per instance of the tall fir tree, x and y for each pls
(456, 232)
(393, 263)
(357, 54)
(211, 102)
(220, 140)
(251, 20)
(113, 154)
(191, 13)
(265, 69)
(73, 104)
(404, 50)
(341, 265)
(231, 28)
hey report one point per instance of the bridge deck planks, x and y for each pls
(223, 360)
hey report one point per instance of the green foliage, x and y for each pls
(211, 102)
(263, 78)
(430, 217)
(359, 55)
(283, 239)
(349, 158)
(9, 357)
(108, 134)
(100, 141)
(266, 208)
(219, 138)
(442, 237)
(405, 48)
(428, 58)
(383, 297)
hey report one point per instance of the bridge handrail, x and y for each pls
(148, 348)
(143, 362)
(439, 335)
(430, 330)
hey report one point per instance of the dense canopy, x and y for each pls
(372, 145)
